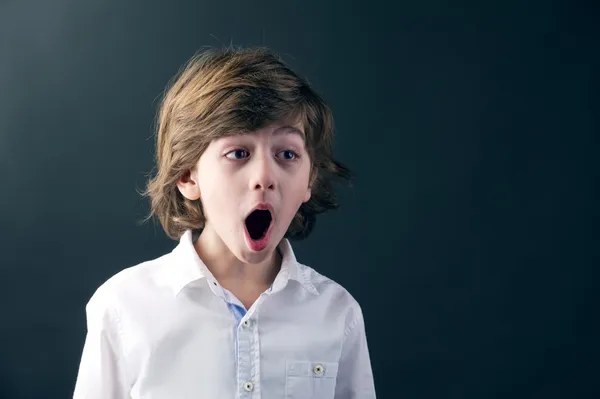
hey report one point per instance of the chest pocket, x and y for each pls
(310, 380)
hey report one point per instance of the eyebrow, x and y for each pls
(289, 130)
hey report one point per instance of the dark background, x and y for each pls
(470, 235)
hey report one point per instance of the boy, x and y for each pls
(244, 163)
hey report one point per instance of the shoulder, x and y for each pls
(334, 293)
(138, 281)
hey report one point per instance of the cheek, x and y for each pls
(297, 196)
(210, 195)
(220, 198)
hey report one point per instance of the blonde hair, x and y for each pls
(226, 91)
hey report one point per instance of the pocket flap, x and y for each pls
(303, 368)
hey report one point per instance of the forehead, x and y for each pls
(277, 129)
(285, 129)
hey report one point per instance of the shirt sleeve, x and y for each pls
(101, 370)
(355, 376)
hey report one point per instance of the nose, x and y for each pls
(262, 175)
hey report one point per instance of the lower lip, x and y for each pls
(258, 245)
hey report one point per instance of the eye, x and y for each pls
(237, 154)
(289, 155)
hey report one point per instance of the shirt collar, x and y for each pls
(188, 267)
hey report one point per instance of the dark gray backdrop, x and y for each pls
(469, 237)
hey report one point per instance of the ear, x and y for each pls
(307, 195)
(188, 186)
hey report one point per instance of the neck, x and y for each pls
(226, 267)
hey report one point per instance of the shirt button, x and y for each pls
(248, 387)
(318, 370)
(246, 323)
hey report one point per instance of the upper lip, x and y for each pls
(262, 206)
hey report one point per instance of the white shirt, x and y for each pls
(166, 329)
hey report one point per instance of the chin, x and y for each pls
(251, 255)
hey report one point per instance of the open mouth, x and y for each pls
(257, 223)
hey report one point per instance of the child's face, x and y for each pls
(236, 173)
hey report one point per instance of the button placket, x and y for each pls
(248, 360)
(244, 360)
(246, 366)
